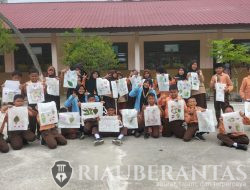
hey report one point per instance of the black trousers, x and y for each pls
(218, 106)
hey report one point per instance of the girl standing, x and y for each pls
(51, 73)
(199, 95)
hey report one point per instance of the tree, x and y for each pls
(225, 51)
(7, 44)
(94, 52)
(22, 38)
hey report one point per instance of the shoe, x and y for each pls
(199, 136)
(25, 142)
(146, 135)
(43, 142)
(117, 142)
(98, 141)
(223, 144)
(81, 136)
(38, 137)
(137, 134)
(242, 147)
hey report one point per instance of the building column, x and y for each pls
(206, 61)
(54, 51)
(9, 62)
(137, 53)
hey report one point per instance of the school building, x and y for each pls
(144, 34)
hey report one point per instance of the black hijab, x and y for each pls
(91, 83)
(182, 77)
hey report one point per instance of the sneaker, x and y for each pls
(199, 136)
(98, 141)
(117, 142)
(146, 135)
(81, 136)
(137, 134)
(242, 147)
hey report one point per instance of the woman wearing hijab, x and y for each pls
(199, 95)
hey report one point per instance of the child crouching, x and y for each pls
(192, 120)
(50, 135)
(238, 140)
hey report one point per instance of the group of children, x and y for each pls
(140, 96)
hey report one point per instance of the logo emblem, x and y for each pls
(61, 172)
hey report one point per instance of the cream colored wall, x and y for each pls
(205, 60)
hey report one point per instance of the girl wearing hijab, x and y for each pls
(90, 84)
(199, 95)
(51, 73)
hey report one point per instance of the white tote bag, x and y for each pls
(69, 120)
(129, 118)
(35, 93)
(206, 121)
(47, 113)
(176, 110)
(18, 118)
(103, 87)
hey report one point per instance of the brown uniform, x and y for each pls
(224, 79)
(4, 148)
(245, 88)
(230, 138)
(173, 127)
(155, 130)
(192, 121)
(51, 136)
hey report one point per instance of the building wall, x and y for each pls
(206, 62)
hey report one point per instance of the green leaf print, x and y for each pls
(70, 83)
(16, 119)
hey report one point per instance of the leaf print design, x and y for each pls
(70, 83)
(43, 118)
(16, 119)
(95, 110)
(237, 127)
(71, 119)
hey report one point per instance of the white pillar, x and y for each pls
(137, 53)
(54, 52)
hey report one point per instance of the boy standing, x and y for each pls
(223, 78)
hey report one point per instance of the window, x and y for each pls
(2, 66)
(171, 54)
(121, 51)
(23, 61)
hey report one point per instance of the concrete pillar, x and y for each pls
(206, 61)
(9, 62)
(137, 53)
(54, 51)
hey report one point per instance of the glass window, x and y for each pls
(23, 61)
(121, 50)
(171, 54)
(2, 66)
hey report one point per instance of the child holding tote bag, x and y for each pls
(155, 129)
(238, 140)
(140, 93)
(217, 80)
(200, 93)
(174, 114)
(18, 137)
